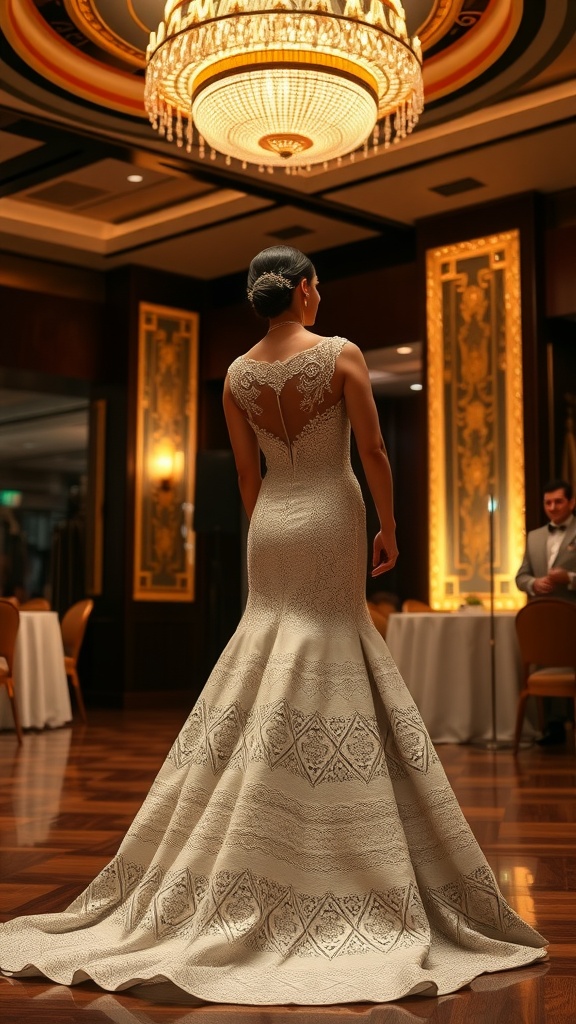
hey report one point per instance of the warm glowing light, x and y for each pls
(268, 83)
(404, 350)
(135, 178)
(415, 387)
(166, 464)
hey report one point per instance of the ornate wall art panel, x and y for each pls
(165, 454)
(476, 437)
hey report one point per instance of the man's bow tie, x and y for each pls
(555, 529)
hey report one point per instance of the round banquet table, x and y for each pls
(444, 659)
(40, 682)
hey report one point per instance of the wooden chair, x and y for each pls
(412, 605)
(385, 607)
(9, 625)
(546, 631)
(73, 627)
(36, 604)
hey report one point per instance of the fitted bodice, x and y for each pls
(309, 515)
(298, 417)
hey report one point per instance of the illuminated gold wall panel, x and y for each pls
(165, 454)
(476, 438)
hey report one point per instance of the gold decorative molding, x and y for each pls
(90, 20)
(53, 58)
(472, 55)
(440, 20)
(165, 454)
(475, 419)
(136, 18)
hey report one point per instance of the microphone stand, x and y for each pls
(493, 743)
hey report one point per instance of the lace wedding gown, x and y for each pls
(301, 843)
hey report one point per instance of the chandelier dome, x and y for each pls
(283, 82)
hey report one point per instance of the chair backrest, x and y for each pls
(36, 604)
(546, 631)
(385, 607)
(411, 604)
(9, 624)
(379, 619)
(73, 626)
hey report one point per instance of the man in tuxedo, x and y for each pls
(549, 570)
(549, 566)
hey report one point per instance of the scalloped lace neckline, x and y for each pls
(284, 362)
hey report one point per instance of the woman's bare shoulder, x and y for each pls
(351, 354)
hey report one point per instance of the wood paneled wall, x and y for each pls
(139, 652)
(52, 334)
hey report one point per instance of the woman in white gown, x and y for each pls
(301, 843)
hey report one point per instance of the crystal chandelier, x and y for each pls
(287, 83)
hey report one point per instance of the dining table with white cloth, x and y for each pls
(445, 660)
(40, 683)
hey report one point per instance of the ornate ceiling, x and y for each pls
(94, 50)
(84, 179)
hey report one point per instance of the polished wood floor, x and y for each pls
(67, 797)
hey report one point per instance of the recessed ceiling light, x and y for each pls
(415, 387)
(135, 178)
(404, 350)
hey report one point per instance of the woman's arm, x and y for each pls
(246, 451)
(363, 416)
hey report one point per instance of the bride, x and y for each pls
(301, 843)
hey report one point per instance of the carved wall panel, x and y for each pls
(475, 418)
(165, 454)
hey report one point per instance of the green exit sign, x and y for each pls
(11, 499)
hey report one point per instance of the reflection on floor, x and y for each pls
(67, 797)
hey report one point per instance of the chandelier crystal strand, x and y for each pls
(267, 81)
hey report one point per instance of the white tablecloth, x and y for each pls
(445, 662)
(40, 681)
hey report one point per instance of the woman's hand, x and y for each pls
(385, 552)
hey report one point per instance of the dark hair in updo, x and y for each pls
(273, 275)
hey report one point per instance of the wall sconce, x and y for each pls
(166, 466)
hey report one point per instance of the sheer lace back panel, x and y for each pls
(309, 516)
(284, 398)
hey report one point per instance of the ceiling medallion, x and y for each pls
(283, 83)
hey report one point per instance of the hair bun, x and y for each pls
(273, 275)
(269, 275)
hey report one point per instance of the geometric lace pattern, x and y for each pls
(318, 749)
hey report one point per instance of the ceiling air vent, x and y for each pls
(291, 232)
(453, 188)
(67, 193)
